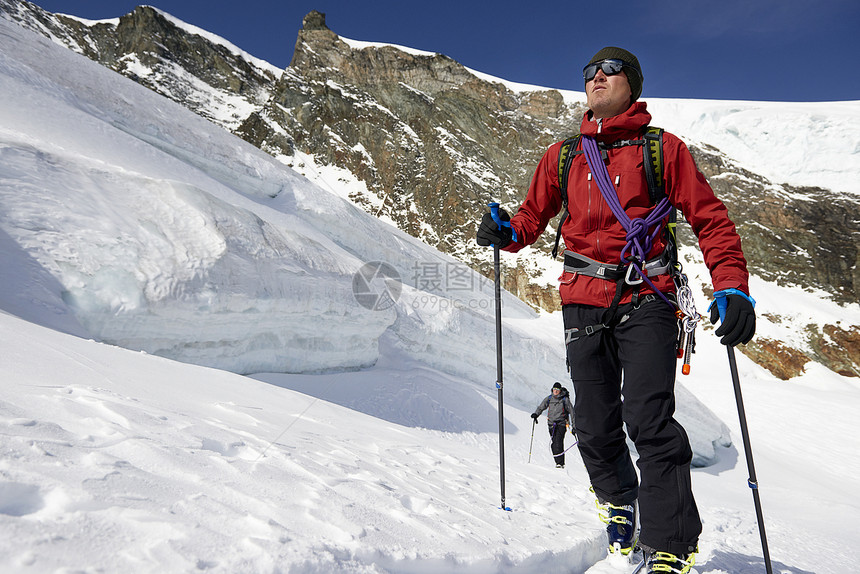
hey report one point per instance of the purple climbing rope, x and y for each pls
(640, 232)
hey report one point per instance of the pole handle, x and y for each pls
(494, 212)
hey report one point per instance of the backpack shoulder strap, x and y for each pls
(565, 158)
(653, 162)
(652, 151)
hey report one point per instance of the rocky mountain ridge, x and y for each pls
(432, 143)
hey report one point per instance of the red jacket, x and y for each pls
(592, 229)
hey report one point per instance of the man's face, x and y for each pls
(556, 391)
(608, 96)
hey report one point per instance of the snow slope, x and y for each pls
(116, 460)
(366, 441)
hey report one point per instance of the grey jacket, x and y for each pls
(559, 409)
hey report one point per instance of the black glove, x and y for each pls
(535, 416)
(490, 234)
(739, 323)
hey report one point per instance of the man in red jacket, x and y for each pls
(618, 328)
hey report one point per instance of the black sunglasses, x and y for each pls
(610, 67)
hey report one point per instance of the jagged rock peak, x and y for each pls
(314, 21)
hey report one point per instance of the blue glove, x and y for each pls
(736, 312)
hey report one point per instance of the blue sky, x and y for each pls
(778, 50)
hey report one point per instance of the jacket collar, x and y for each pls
(626, 125)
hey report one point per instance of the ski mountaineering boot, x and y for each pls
(620, 526)
(667, 562)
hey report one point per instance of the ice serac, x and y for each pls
(164, 233)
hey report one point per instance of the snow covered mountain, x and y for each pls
(424, 143)
(366, 439)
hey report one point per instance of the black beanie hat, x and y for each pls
(635, 78)
(556, 386)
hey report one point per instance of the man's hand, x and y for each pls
(738, 326)
(489, 232)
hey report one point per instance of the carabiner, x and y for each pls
(630, 267)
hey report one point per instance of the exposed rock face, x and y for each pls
(434, 144)
(150, 48)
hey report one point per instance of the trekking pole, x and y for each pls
(534, 423)
(752, 481)
(494, 211)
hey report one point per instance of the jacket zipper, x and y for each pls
(598, 251)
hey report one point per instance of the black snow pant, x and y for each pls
(556, 431)
(621, 375)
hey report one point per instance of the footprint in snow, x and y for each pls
(18, 499)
